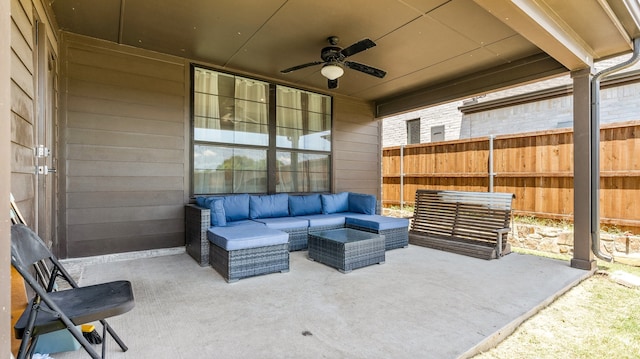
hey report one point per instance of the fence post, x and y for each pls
(491, 173)
(401, 178)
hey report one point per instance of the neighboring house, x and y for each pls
(538, 106)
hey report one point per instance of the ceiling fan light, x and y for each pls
(332, 71)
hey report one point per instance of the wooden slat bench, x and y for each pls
(475, 224)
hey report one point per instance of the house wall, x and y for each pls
(26, 102)
(618, 103)
(33, 36)
(19, 112)
(5, 173)
(123, 148)
(356, 147)
(394, 129)
(22, 108)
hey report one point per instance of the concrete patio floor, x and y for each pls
(421, 303)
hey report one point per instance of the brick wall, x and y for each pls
(394, 129)
(621, 103)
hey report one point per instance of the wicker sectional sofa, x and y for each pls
(247, 235)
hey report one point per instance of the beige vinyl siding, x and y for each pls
(124, 148)
(22, 108)
(356, 147)
(125, 140)
(6, 32)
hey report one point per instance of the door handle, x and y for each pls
(44, 170)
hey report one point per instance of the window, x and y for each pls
(413, 131)
(241, 136)
(437, 133)
(303, 127)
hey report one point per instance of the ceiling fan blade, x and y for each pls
(357, 47)
(365, 68)
(301, 66)
(332, 84)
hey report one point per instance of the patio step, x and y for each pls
(456, 246)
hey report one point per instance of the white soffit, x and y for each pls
(539, 23)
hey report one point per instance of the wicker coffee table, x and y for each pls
(346, 249)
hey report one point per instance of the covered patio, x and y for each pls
(420, 303)
(97, 130)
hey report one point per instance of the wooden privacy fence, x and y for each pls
(536, 167)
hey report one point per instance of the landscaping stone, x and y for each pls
(565, 239)
(558, 239)
(626, 279)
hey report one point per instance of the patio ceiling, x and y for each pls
(433, 50)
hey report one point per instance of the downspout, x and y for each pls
(491, 173)
(401, 178)
(595, 148)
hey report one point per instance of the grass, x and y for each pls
(546, 222)
(598, 318)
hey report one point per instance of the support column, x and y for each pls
(582, 256)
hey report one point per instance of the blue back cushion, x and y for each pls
(218, 216)
(236, 207)
(215, 205)
(303, 205)
(335, 203)
(269, 206)
(362, 203)
(200, 201)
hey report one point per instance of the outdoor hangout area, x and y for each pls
(210, 176)
(333, 305)
(248, 235)
(261, 230)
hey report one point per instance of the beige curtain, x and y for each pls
(206, 106)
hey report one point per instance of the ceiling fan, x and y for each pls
(333, 61)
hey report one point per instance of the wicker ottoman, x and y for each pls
(346, 249)
(395, 230)
(241, 252)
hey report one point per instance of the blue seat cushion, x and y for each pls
(376, 222)
(284, 222)
(269, 206)
(318, 220)
(305, 204)
(335, 203)
(244, 237)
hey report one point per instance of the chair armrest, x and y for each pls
(499, 233)
(197, 222)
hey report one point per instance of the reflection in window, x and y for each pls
(303, 128)
(230, 110)
(229, 114)
(232, 124)
(302, 172)
(229, 170)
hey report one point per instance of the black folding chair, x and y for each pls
(50, 309)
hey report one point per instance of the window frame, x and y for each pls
(271, 148)
(410, 132)
(439, 131)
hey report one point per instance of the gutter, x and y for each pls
(595, 148)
